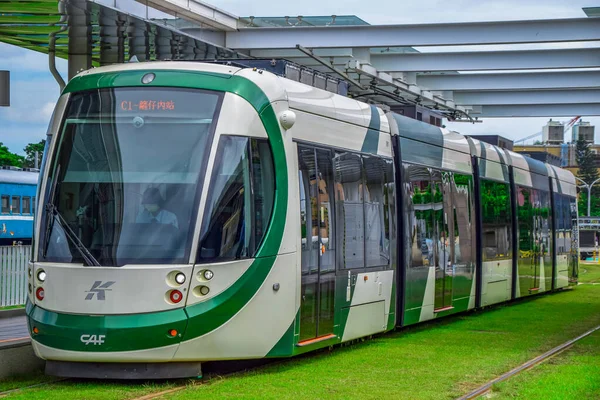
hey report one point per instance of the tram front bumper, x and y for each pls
(106, 338)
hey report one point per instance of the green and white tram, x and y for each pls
(191, 212)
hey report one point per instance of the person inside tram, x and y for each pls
(152, 211)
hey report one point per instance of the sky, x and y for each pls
(34, 91)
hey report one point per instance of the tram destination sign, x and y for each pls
(4, 88)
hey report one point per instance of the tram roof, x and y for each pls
(19, 176)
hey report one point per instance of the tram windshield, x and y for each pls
(125, 180)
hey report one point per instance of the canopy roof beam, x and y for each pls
(536, 110)
(511, 81)
(448, 34)
(575, 96)
(488, 60)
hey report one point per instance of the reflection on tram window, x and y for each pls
(462, 202)
(534, 220)
(496, 220)
(525, 221)
(308, 209)
(390, 210)
(325, 213)
(573, 228)
(420, 216)
(234, 219)
(349, 209)
(376, 243)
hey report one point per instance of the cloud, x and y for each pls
(19, 60)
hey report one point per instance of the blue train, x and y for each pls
(17, 204)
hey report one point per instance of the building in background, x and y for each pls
(584, 130)
(555, 151)
(553, 132)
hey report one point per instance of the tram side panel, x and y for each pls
(347, 227)
(565, 228)
(438, 228)
(534, 227)
(496, 235)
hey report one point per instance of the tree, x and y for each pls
(7, 158)
(30, 151)
(586, 161)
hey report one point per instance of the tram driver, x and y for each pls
(152, 211)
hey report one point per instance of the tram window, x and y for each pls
(525, 200)
(307, 174)
(326, 209)
(545, 224)
(5, 205)
(15, 206)
(263, 185)
(496, 220)
(461, 186)
(376, 239)
(33, 205)
(419, 209)
(390, 208)
(26, 205)
(349, 210)
(235, 219)
(441, 218)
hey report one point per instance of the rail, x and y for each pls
(13, 274)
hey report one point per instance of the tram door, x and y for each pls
(443, 213)
(315, 178)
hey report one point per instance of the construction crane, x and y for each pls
(568, 127)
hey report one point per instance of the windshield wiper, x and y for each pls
(85, 253)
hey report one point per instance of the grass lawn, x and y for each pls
(573, 374)
(11, 307)
(589, 272)
(25, 380)
(438, 360)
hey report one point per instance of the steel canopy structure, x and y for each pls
(385, 64)
(94, 33)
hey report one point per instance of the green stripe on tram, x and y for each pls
(206, 316)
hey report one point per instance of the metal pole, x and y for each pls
(590, 198)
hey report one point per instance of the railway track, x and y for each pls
(227, 368)
(15, 390)
(528, 365)
(213, 369)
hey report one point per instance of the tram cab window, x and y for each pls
(240, 200)
(127, 175)
(5, 204)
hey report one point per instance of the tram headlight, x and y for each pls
(180, 278)
(208, 274)
(40, 293)
(148, 78)
(41, 275)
